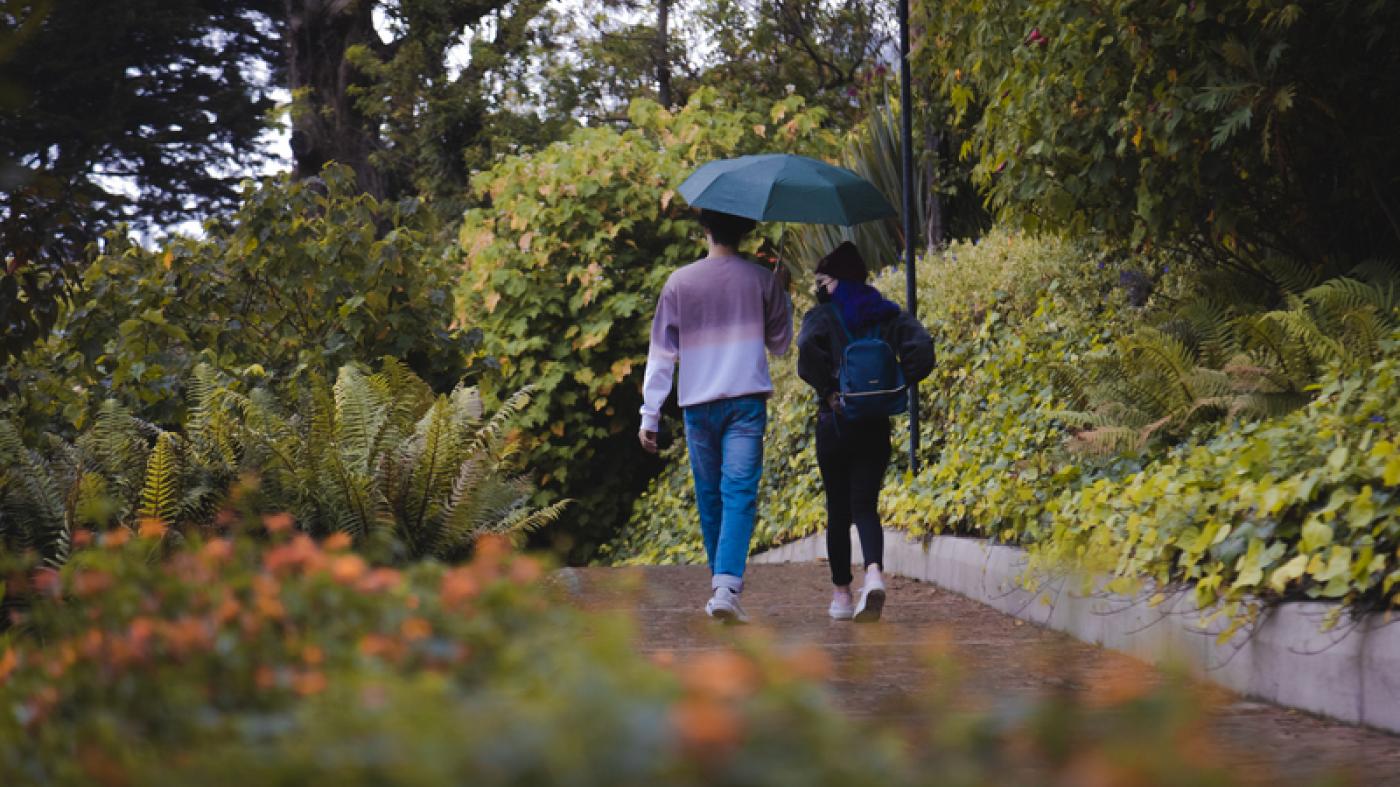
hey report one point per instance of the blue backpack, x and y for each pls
(871, 380)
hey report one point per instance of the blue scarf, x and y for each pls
(862, 306)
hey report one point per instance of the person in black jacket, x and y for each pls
(853, 455)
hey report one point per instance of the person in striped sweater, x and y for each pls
(719, 318)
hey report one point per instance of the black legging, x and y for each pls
(852, 458)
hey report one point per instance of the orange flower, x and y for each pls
(705, 725)
(228, 609)
(721, 674)
(459, 585)
(492, 548)
(415, 629)
(525, 570)
(809, 663)
(264, 678)
(9, 662)
(82, 538)
(1119, 680)
(310, 682)
(338, 542)
(151, 527)
(217, 551)
(116, 537)
(347, 569)
(226, 518)
(313, 655)
(90, 583)
(380, 646)
(379, 580)
(48, 582)
(278, 523)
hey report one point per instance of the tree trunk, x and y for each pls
(663, 52)
(326, 126)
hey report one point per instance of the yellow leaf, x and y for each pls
(491, 300)
(1392, 471)
(168, 259)
(1171, 75)
(1288, 572)
(1137, 138)
(666, 198)
(760, 130)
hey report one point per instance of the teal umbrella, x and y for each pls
(784, 187)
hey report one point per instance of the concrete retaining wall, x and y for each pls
(1351, 672)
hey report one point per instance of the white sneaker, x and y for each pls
(841, 607)
(872, 602)
(724, 607)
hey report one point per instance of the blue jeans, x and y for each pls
(725, 439)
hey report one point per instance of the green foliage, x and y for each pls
(975, 405)
(564, 269)
(305, 277)
(1236, 130)
(404, 473)
(120, 111)
(1300, 504)
(1211, 363)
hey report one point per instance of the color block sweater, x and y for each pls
(718, 317)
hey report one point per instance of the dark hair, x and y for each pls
(726, 228)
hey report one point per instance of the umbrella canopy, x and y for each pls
(784, 187)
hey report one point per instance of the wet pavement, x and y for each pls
(998, 663)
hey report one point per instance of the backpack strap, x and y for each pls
(841, 321)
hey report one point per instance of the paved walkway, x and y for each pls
(1004, 661)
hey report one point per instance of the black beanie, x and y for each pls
(844, 263)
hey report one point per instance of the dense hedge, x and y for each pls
(1303, 505)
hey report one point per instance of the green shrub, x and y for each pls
(304, 277)
(1002, 311)
(1211, 363)
(1236, 130)
(564, 270)
(1299, 506)
(379, 457)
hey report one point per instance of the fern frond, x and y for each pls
(160, 496)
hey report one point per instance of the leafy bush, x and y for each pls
(305, 276)
(236, 662)
(975, 405)
(377, 457)
(1211, 363)
(1235, 130)
(1299, 506)
(563, 274)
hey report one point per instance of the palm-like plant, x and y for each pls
(1210, 363)
(377, 456)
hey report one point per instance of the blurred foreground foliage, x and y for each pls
(283, 659)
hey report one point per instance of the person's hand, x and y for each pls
(648, 441)
(833, 400)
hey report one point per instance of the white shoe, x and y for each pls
(872, 602)
(841, 607)
(724, 607)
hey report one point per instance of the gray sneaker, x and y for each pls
(842, 608)
(724, 606)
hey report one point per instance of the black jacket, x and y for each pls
(822, 341)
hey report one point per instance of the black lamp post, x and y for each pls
(906, 117)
